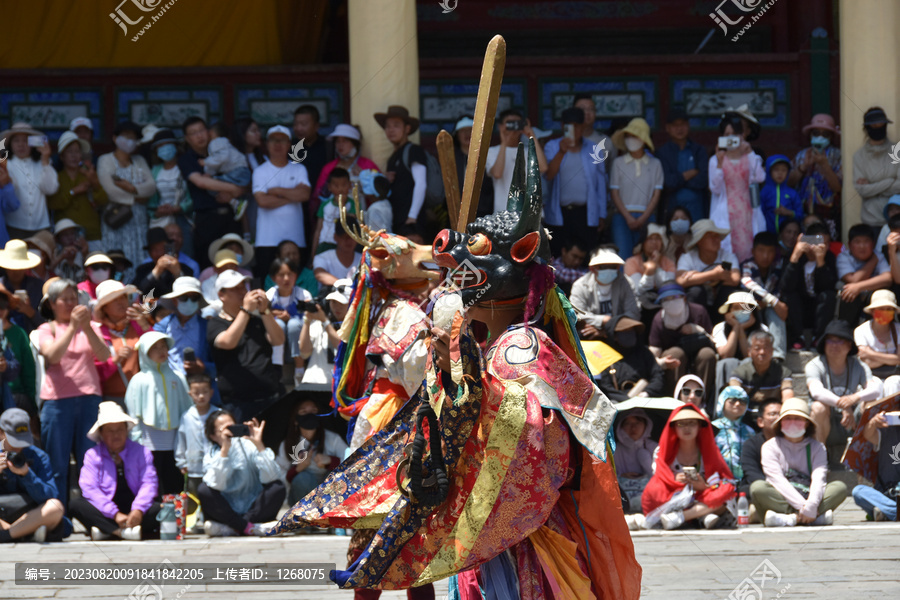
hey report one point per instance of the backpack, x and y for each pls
(434, 181)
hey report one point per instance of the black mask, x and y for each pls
(626, 339)
(876, 134)
(309, 421)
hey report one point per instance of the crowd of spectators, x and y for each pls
(158, 299)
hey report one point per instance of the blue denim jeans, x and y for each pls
(868, 498)
(624, 238)
(64, 427)
(302, 484)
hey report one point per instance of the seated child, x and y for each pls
(862, 270)
(777, 199)
(192, 443)
(330, 211)
(283, 298)
(226, 163)
(157, 397)
(732, 432)
(634, 455)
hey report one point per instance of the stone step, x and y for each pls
(796, 362)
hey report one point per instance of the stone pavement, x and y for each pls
(851, 559)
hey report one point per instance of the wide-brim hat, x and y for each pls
(97, 258)
(626, 323)
(117, 254)
(604, 256)
(109, 290)
(689, 414)
(701, 228)
(346, 131)
(185, 285)
(148, 133)
(64, 224)
(67, 138)
(822, 121)
(882, 299)
(246, 256)
(15, 256)
(744, 112)
(399, 112)
(839, 329)
(797, 407)
(43, 241)
(637, 127)
(744, 299)
(19, 127)
(873, 116)
(110, 412)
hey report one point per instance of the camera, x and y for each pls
(515, 125)
(812, 240)
(17, 459)
(307, 306)
(729, 142)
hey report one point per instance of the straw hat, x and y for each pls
(43, 241)
(637, 127)
(110, 412)
(17, 128)
(606, 257)
(701, 228)
(224, 257)
(97, 258)
(15, 256)
(109, 290)
(688, 414)
(246, 255)
(882, 299)
(797, 407)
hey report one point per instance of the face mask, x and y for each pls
(117, 276)
(99, 275)
(675, 307)
(626, 339)
(633, 144)
(309, 421)
(125, 144)
(606, 276)
(350, 154)
(793, 430)
(882, 316)
(741, 316)
(188, 307)
(166, 152)
(680, 226)
(876, 134)
(240, 258)
(819, 142)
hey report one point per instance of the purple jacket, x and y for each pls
(98, 477)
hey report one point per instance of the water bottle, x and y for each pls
(754, 195)
(743, 511)
(168, 528)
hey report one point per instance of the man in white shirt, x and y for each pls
(707, 272)
(501, 159)
(280, 187)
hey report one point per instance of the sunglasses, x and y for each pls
(737, 400)
(687, 423)
(695, 391)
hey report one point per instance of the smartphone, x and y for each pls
(239, 430)
(570, 131)
(812, 240)
(37, 141)
(170, 250)
(690, 472)
(892, 418)
(516, 125)
(728, 142)
(726, 265)
(22, 295)
(189, 354)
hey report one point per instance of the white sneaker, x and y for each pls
(636, 522)
(261, 529)
(774, 519)
(40, 534)
(672, 520)
(132, 533)
(215, 529)
(239, 205)
(298, 377)
(826, 518)
(710, 520)
(99, 536)
(878, 515)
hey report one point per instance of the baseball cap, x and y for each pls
(79, 122)
(278, 129)
(229, 279)
(15, 424)
(341, 292)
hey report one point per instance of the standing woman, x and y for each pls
(80, 196)
(816, 171)
(33, 178)
(247, 138)
(874, 174)
(129, 184)
(172, 201)
(731, 172)
(69, 343)
(347, 141)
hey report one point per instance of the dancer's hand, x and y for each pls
(440, 343)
